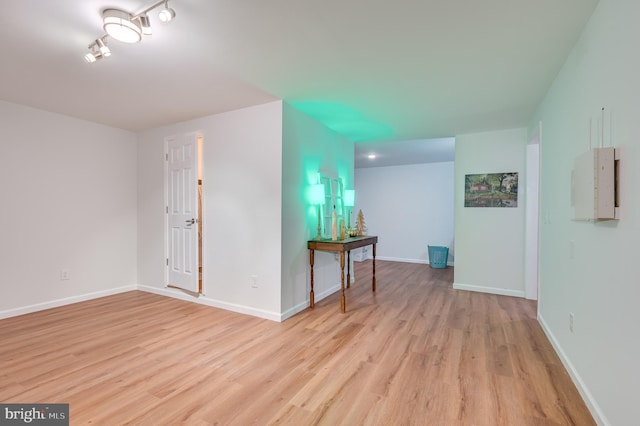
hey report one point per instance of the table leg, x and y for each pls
(349, 269)
(311, 295)
(373, 281)
(342, 299)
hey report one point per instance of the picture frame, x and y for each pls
(491, 190)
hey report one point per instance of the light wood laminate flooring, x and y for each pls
(415, 352)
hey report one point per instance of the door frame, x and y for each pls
(532, 216)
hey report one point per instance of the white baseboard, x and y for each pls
(62, 302)
(174, 293)
(403, 260)
(242, 309)
(491, 290)
(204, 300)
(588, 398)
(400, 259)
(304, 305)
(328, 292)
(296, 309)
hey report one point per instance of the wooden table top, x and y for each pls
(347, 244)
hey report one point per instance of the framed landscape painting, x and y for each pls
(491, 190)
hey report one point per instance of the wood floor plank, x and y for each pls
(415, 352)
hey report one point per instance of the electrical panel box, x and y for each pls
(594, 182)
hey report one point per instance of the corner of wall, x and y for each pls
(588, 398)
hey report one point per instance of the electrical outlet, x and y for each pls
(254, 281)
(64, 274)
(571, 319)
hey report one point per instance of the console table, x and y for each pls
(342, 246)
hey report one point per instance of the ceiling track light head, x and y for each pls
(102, 46)
(166, 14)
(145, 24)
(90, 57)
(97, 50)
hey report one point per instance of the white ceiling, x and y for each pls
(397, 153)
(421, 68)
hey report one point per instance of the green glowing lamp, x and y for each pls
(316, 197)
(349, 201)
(350, 197)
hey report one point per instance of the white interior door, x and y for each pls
(182, 212)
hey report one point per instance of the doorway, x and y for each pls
(183, 195)
(532, 213)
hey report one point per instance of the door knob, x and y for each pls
(190, 221)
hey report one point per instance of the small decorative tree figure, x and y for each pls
(361, 226)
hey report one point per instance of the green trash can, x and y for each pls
(438, 256)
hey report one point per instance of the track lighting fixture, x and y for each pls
(126, 27)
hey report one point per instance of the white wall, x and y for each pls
(69, 202)
(490, 240)
(408, 207)
(242, 226)
(308, 146)
(600, 284)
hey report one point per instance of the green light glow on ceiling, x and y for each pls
(345, 120)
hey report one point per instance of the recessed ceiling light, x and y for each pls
(371, 156)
